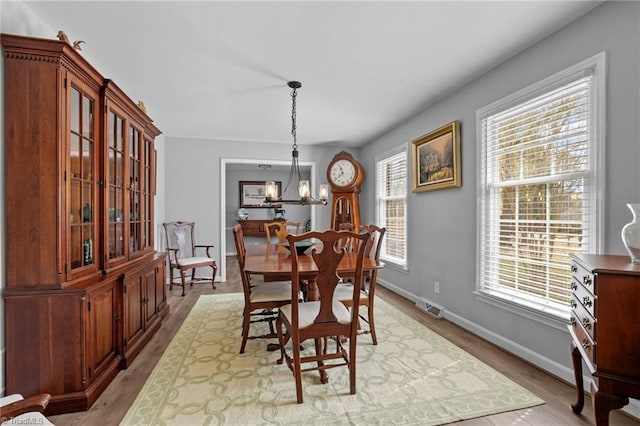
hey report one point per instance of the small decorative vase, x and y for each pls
(631, 234)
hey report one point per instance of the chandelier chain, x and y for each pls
(293, 117)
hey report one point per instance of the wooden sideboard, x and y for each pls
(85, 288)
(605, 330)
(255, 227)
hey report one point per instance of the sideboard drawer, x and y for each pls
(583, 317)
(583, 339)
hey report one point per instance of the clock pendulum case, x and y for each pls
(345, 175)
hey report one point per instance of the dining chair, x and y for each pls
(344, 291)
(326, 320)
(17, 410)
(280, 230)
(182, 250)
(261, 300)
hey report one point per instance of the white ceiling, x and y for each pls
(218, 70)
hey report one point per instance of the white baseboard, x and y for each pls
(556, 369)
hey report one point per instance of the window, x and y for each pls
(391, 202)
(540, 180)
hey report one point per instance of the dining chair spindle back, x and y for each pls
(261, 300)
(280, 230)
(324, 320)
(345, 290)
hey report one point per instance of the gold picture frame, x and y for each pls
(436, 159)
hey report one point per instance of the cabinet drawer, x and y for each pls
(582, 296)
(584, 277)
(583, 339)
(582, 316)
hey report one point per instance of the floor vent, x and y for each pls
(430, 307)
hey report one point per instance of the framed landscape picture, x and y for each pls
(436, 159)
(252, 193)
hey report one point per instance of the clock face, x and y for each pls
(342, 173)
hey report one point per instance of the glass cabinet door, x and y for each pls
(135, 191)
(82, 178)
(115, 186)
(147, 217)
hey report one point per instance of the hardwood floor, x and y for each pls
(113, 404)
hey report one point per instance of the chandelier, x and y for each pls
(304, 189)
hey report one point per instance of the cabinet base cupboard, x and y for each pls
(85, 288)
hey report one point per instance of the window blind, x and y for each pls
(538, 194)
(391, 195)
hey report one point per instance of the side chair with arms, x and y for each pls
(344, 292)
(323, 319)
(265, 298)
(280, 230)
(182, 250)
(16, 410)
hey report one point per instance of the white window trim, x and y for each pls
(394, 262)
(597, 65)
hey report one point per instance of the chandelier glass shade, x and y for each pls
(304, 188)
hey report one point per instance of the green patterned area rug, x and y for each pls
(413, 376)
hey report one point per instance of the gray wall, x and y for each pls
(442, 224)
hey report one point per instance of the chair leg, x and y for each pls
(213, 276)
(193, 277)
(246, 322)
(372, 324)
(170, 278)
(352, 366)
(182, 278)
(297, 372)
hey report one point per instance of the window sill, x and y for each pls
(390, 264)
(549, 316)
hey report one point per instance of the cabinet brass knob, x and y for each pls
(574, 268)
(573, 321)
(574, 286)
(585, 344)
(586, 322)
(586, 301)
(573, 303)
(586, 280)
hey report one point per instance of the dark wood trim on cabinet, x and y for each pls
(73, 246)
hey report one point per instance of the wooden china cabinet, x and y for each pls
(85, 288)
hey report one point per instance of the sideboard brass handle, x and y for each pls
(574, 268)
(573, 321)
(586, 280)
(586, 301)
(586, 323)
(585, 344)
(574, 286)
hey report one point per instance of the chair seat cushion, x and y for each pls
(345, 292)
(271, 292)
(308, 311)
(189, 261)
(32, 418)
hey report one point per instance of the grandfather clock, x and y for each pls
(345, 175)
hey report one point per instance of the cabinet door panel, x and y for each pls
(150, 287)
(161, 288)
(133, 315)
(101, 330)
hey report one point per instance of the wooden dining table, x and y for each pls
(273, 261)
